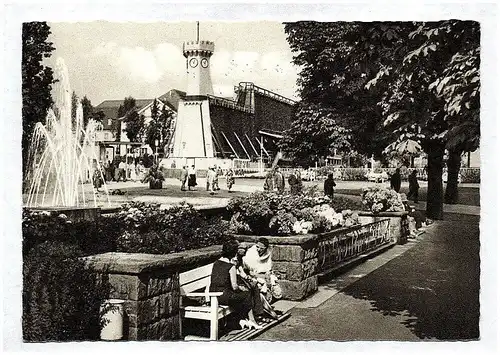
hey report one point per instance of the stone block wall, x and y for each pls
(149, 284)
(398, 223)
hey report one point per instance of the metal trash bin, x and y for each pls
(113, 319)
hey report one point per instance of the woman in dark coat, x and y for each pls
(224, 279)
(396, 181)
(329, 185)
(413, 186)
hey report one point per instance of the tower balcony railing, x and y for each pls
(221, 101)
(265, 92)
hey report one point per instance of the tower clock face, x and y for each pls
(204, 62)
(193, 62)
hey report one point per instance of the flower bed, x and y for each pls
(272, 214)
(380, 199)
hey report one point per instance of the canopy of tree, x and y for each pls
(364, 86)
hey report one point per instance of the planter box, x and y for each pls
(156, 185)
(299, 260)
(399, 223)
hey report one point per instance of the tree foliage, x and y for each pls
(153, 132)
(387, 82)
(37, 79)
(134, 123)
(88, 111)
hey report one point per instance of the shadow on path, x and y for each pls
(435, 284)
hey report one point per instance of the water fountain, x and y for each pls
(62, 154)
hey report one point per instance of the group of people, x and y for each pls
(413, 185)
(248, 285)
(212, 182)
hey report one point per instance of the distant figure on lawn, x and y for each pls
(396, 180)
(269, 181)
(279, 181)
(229, 179)
(413, 186)
(191, 178)
(295, 182)
(211, 176)
(183, 178)
(329, 185)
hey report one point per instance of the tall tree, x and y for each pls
(37, 80)
(74, 107)
(433, 96)
(127, 112)
(153, 132)
(88, 111)
(397, 63)
(331, 82)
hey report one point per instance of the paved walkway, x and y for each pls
(426, 289)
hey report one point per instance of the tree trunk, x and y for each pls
(435, 155)
(453, 164)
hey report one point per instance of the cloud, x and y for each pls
(142, 65)
(165, 65)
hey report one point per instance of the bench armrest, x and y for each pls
(203, 294)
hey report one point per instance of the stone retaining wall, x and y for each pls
(399, 223)
(149, 284)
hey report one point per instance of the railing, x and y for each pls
(347, 243)
(221, 101)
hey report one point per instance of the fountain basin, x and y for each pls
(74, 214)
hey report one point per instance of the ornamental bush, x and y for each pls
(269, 213)
(379, 199)
(61, 297)
(145, 228)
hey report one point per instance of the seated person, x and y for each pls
(417, 218)
(224, 280)
(261, 307)
(257, 261)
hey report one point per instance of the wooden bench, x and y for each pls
(195, 283)
(195, 280)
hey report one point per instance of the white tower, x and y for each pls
(198, 56)
(193, 133)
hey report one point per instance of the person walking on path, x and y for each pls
(122, 167)
(218, 172)
(413, 186)
(211, 176)
(183, 178)
(329, 185)
(191, 178)
(295, 182)
(229, 179)
(279, 181)
(396, 180)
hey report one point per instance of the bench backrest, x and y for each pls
(195, 279)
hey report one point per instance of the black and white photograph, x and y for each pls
(257, 178)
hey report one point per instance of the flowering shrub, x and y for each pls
(269, 213)
(379, 199)
(145, 228)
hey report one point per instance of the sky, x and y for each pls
(112, 60)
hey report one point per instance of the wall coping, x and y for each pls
(299, 239)
(137, 263)
(383, 214)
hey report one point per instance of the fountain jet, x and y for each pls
(62, 153)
